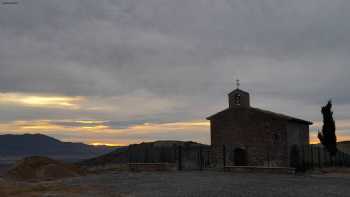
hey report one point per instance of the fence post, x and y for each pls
(145, 152)
(208, 159)
(303, 157)
(325, 157)
(224, 155)
(179, 158)
(312, 157)
(306, 158)
(319, 157)
(200, 159)
(336, 159)
(129, 154)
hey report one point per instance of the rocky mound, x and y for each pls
(42, 168)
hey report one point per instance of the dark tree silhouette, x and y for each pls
(327, 136)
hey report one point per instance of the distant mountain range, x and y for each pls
(17, 146)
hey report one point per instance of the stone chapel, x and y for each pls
(254, 136)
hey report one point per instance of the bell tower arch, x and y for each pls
(238, 98)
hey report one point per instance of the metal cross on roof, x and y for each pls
(237, 83)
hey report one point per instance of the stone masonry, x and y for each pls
(253, 136)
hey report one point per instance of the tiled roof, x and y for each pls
(278, 115)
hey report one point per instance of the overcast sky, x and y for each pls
(126, 71)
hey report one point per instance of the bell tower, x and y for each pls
(238, 97)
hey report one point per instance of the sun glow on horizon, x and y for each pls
(41, 100)
(105, 144)
(102, 132)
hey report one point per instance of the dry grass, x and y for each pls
(16, 189)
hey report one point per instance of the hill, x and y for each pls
(18, 146)
(121, 155)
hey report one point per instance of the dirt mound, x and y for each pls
(42, 168)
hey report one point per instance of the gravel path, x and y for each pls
(207, 184)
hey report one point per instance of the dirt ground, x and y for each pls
(182, 184)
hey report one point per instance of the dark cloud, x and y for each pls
(292, 55)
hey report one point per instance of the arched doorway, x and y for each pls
(240, 157)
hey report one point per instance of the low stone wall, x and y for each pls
(138, 167)
(258, 169)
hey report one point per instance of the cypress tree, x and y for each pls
(327, 137)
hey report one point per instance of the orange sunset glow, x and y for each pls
(88, 130)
